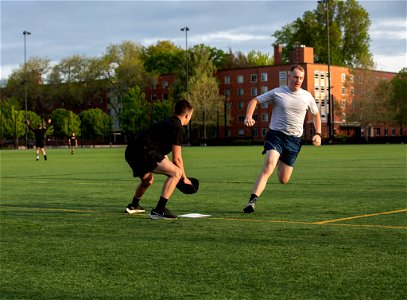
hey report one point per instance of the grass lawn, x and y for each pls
(338, 230)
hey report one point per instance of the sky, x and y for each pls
(60, 29)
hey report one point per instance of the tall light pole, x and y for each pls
(186, 29)
(25, 33)
(331, 118)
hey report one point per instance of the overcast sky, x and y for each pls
(60, 29)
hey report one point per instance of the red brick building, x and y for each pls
(239, 86)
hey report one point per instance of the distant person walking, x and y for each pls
(283, 140)
(73, 142)
(147, 154)
(39, 134)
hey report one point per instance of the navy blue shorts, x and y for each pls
(288, 146)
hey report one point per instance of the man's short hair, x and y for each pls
(182, 107)
(299, 67)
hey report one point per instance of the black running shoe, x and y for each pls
(130, 209)
(162, 214)
(249, 208)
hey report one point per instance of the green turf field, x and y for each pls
(336, 231)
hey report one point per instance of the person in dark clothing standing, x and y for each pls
(147, 154)
(73, 142)
(39, 134)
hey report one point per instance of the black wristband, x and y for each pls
(317, 133)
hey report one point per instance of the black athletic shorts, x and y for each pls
(142, 162)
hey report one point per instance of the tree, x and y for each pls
(95, 123)
(397, 101)
(348, 34)
(204, 92)
(134, 114)
(258, 58)
(64, 122)
(163, 58)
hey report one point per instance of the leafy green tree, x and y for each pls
(161, 110)
(397, 101)
(348, 33)
(163, 58)
(64, 122)
(257, 58)
(95, 123)
(12, 120)
(32, 75)
(134, 115)
(204, 92)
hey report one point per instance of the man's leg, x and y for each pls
(270, 162)
(174, 174)
(134, 206)
(284, 172)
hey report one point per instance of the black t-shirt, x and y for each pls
(160, 137)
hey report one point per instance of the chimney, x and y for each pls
(278, 54)
(302, 55)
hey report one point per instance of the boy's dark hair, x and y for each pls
(182, 107)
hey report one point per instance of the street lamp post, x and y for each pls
(25, 33)
(331, 118)
(186, 29)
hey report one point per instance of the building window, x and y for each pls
(264, 77)
(316, 75)
(165, 84)
(282, 77)
(254, 92)
(165, 96)
(352, 91)
(241, 132)
(377, 131)
(393, 131)
(255, 131)
(322, 76)
(241, 105)
(264, 89)
(241, 118)
(227, 80)
(343, 90)
(386, 131)
(264, 131)
(227, 93)
(351, 78)
(343, 77)
(240, 92)
(343, 117)
(343, 103)
(240, 79)
(253, 77)
(264, 117)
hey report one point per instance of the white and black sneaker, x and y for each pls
(130, 209)
(162, 214)
(249, 207)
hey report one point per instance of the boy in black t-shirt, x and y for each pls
(73, 142)
(39, 134)
(147, 154)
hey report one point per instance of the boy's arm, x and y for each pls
(178, 161)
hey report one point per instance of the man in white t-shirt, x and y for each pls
(283, 141)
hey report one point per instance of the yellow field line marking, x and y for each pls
(362, 216)
(327, 222)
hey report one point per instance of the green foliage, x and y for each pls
(95, 123)
(349, 37)
(134, 115)
(65, 122)
(163, 58)
(161, 110)
(397, 101)
(258, 58)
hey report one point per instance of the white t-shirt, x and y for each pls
(289, 109)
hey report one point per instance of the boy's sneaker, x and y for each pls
(162, 214)
(45, 157)
(130, 209)
(249, 208)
